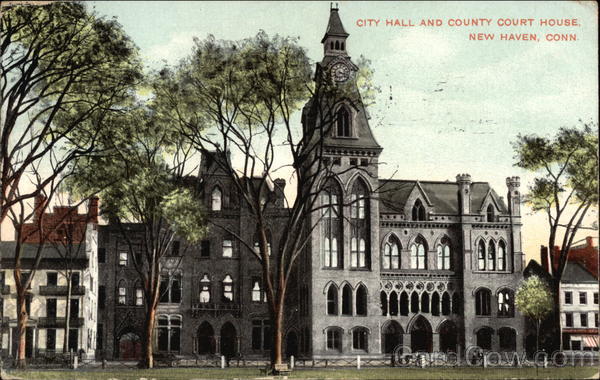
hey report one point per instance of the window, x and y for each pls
(418, 211)
(391, 254)
(51, 307)
(418, 257)
(51, 278)
(359, 338)
(490, 213)
(346, 300)
(481, 255)
(227, 248)
(443, 254)
(361, 300)
(491, 255)
(501, 256)
(568, 298)
(227, 289)
(337, 161)
(169, 333)
(50, 339)
(446, 304)
(1, 307)
(257, 293)
(505, 303)
(257, 244)
(425, 302)
(75, 279)
(359, 209)
(122, 293)
(343, 122)
(2, 279)
(100, 337)
(508, 339)
(261, 334)
(596, 298)
(101, 255)
(332, 300)
(205, 289)
(582, 298)
(139, 297)
(170, 288)
(583, 319)
(101, 296)
(483, 302)
(215, 198)
(364, 162)
(595, 319)
(404, 303)
(353, 161)
(484, 338)
(334, 339)
(569, 319)
(205, 248)
(414, 302)
(122, 259)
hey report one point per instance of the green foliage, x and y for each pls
(534, 298)
(364, 81)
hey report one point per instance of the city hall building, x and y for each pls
(430, 265)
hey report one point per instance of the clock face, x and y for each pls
(340, 72)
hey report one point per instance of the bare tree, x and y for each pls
(238, 99)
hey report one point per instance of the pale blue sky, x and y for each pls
(492, 91)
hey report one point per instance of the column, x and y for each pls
(495, 341)
(217, 344)
(406, 339)
(436, 342)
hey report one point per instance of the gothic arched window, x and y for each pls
(418, 211)
(490, 213)
(391, 254)
(228, 289)
(444, 260)
(361, 300)
(425, 302)
(404, 303)
(331, 227)
(483, 299)
(360, 255)
(346, 300)
(205, 289)
(491, 255)
(383, 300)
(506, 305)
(435, 304)
(414, 302)
(445, 304)
(216, 199)
(332, 300)
(418, 254)
(343, 122)
(337, 45)
(481, 255)
(501, 256)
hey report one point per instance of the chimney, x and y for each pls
(544, 258)
(93, 210)
(464, 193)
(589, 241)
(279, 184)
(39, 204)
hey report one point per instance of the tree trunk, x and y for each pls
(148, 343)
(537, 336)
(21, 327)
(277, 355)
(67, 316)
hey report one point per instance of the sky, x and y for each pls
(448, 104)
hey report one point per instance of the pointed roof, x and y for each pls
(334, 27)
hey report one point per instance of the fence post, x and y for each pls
(75, 361)
(222, 361)
(485, 363)
(357, 361)
(292, 362)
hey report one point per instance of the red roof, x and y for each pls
(585, 255)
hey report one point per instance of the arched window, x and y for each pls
(418, 211)
(227, 289)
(257, 243)
(491, 255)
(360, 338)
(383, 300)
(391, 254)
(445, 304)
(342, 46)
(361, 300)
(331, 227)
(337, 45)
(331, 45)
(216, 199)
(332, 300)
(507, 339)
(501, 255)
(122, 293)
(481, 255)
(360, 256)
(506, 303)
(347, 300)
(425, 302)
(444, 260)
(414, 302)
(394, 303)
(404, 303)
(139, 294)
(205, 289)
(435, 304)
(483, 302)
(455, 303)
(484, 338)
(169, 333)
(343, 122)
(490, 213)
(418, 256)
(334, 338)
(256, 289)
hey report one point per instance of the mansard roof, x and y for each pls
(575, 274)
(393, 195)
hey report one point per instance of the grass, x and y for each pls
(345, 373)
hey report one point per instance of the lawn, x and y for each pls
(346, 374)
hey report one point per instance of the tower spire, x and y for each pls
(334, 40)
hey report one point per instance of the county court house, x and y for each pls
(429, 265)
